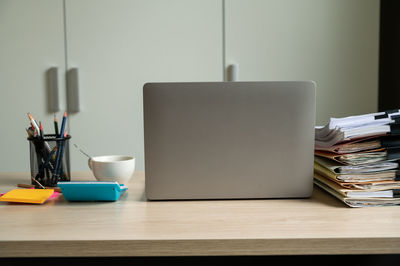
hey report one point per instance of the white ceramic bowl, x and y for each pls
(118, 168)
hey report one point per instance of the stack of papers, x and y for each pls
(356, 159)
(359, 198)
(350, 128)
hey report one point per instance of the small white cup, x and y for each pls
(118, 168)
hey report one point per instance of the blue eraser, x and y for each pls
(91, 190)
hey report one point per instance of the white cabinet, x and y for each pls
(333, 42)
(118, 46)
(31, 42)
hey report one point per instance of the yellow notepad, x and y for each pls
(27, 195)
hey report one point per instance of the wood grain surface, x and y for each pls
(134, 226)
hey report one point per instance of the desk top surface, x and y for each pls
(134, 226)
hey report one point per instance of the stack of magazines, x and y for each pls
(357, 159)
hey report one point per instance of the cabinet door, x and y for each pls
(32, 41)
(120, 45)
(334, 43)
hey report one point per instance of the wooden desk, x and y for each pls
(133, 226)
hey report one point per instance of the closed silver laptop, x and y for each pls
(229, 140)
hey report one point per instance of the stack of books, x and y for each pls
(357, 159)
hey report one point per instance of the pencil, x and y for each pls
(29, 133)
(64, 120)
(47, 161)
(60, 151)
(55, 125)
(41, 129)
(38, 183)
(33, 130)
(33, 122)
(42, 137)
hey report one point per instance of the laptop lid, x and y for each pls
(227, 140)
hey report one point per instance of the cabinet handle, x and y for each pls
(233, 72)
(73, 90)
(52, 87)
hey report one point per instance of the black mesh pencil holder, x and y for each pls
(49, 159)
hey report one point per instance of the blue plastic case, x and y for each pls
(91, 190)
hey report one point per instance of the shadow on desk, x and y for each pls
(365, 260)
(327, 199)
(318, 195)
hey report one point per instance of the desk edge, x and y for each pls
(200, 247)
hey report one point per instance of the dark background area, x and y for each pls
(389, 56)
(364, 260)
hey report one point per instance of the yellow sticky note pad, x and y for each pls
(27, 195)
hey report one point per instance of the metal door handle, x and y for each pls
(52, 88)
(233, 72)
(73, 90)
